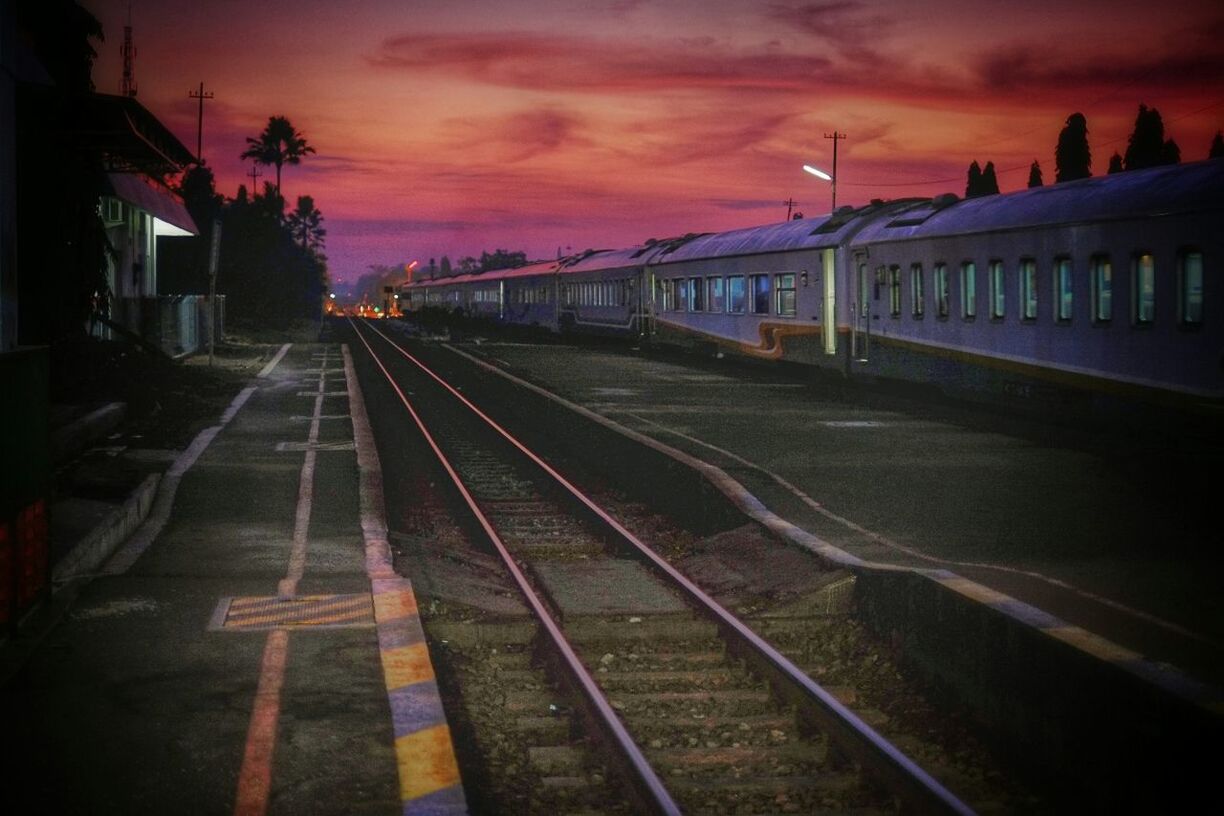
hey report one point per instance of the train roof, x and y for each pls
(537, 268)
(612, 258)
(1133, 194)
(808, 233)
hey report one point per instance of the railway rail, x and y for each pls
(686, 652)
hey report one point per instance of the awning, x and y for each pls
(158, 201)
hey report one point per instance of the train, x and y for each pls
(1104, 291)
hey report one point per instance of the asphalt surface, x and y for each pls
(1117, 534)
(140, 702)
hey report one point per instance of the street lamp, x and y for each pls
(820, 174)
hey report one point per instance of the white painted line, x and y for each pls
(287, 588)
(272, 363)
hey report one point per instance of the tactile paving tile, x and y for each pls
(302, 612)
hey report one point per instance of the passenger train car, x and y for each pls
(1106, 289)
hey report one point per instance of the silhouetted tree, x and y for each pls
(973, 184)
(1115, 163)
(1147, 146)
(1170, 153)
(183, 262)
(306, 225)
(1072, 158)
(1034, 175)
(268, 277)
(444, 267)
(990, 184)
(278, 145)
(1217, 146)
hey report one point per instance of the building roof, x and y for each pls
(131, 139)
(151, 198)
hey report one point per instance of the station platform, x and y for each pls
(1114, 536)
(249, 649)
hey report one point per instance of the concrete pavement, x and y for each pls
(249, 649)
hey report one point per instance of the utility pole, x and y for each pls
(254, 174)
(836, 137)
(790, 204)
(200, 95)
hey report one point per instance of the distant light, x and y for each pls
(332, 296)
(807, 168)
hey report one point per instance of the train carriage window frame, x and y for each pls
(1029, 296)
(696, 294)
(681, 294)
(942, 289)
(997, 272)
(1189, 288)
(1143, 289)
(715, 298)
(894, 291)
(737, 294)
(917, 292)
(759, 291)
(1102, 289)
(1063, 278)
(968, 290)
(784, 294)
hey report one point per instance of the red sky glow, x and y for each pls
(448, 127)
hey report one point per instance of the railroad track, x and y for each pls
(690, 709)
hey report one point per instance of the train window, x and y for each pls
(917, 291)
(998, 296)
(681, 294)
(941, 291)
(760, 294)
(968, 290)
(1028, 289)
(784, 294)
(714, 294)
(1102, 289)
(736, 294)
(894, 291)
(1062, 290)
(696, 295)
(666, 294)
(1143, 289)
(1190, 287)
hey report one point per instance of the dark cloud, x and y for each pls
(558, 63)
(844, 24)
(1184, 59)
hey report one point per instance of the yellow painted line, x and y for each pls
(974, 590)
(426, 762)
(392, 605)
(406, 665)
(1092, 644)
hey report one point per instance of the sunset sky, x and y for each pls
(448, 127)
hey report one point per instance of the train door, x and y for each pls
(860, 328)
(829, 316)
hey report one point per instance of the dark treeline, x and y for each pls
(271, 266)
(1147, 146)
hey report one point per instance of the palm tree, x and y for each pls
(306, 224)
(278, 145)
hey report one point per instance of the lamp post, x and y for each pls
(820, 174)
